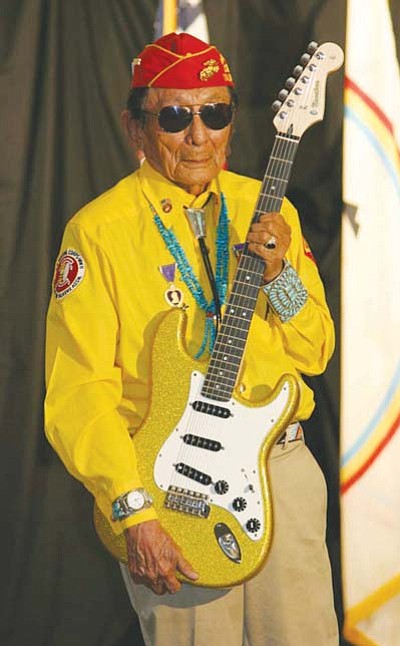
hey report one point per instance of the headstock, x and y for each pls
(302, 102)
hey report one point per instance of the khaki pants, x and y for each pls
(289, 603)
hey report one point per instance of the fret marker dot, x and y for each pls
(247, 277)
(232, 310)
(244, 314)
(221, 372)
(225, 358)
(273, 188)
(229, 341)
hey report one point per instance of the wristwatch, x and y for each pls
(130, 503)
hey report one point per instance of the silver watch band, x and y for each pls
(121, 507)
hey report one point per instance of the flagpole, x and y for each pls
(170, 13)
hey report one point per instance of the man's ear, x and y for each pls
(132, 129)
(228, 143)
(134, 133)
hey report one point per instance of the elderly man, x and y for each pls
(127, 257)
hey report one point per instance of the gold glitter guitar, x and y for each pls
(202, 450)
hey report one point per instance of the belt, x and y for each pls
(293, 433)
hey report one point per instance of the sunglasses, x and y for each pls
(174, 118)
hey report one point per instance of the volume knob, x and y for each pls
(253, 525)
(221, 487)
(239, 503)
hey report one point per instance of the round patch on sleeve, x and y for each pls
(70, 270)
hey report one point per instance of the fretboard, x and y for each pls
(231, 340)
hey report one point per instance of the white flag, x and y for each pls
(370, 381)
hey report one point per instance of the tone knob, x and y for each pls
(253, 525)
(239, 504)
(221, 487)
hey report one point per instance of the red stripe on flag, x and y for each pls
(348, 83)
(357, 475)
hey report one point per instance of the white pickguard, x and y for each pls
(241, 435)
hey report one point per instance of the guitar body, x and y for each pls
(225, 545)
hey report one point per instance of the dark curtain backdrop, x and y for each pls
(64, 77)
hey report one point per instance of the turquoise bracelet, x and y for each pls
(286, 293)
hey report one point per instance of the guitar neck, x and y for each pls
(231, 340)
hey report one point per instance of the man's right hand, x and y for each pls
(154, 558)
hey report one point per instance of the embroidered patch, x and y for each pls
(308, 251)
(210, 68)
(70, 270)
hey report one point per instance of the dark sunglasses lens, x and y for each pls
(174, 118)
(217, 115)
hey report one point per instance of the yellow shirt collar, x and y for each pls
(168, 199)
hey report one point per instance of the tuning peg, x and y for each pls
(312, 47)
(276, 106)
(290, 82)
(283, 95)
(297, 71)
(304, 59)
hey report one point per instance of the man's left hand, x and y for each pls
(270, 225)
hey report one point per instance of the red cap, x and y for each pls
(180, 61)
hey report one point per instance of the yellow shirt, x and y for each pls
(107, 293)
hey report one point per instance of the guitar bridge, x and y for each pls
(187, 501)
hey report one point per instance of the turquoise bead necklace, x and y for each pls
(190, 279)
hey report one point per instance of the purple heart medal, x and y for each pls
(172, 295)
(237, 249)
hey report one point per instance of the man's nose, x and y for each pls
(197, 131)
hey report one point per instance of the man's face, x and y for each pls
(193, 157)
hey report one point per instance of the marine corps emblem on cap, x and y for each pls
(211, 67)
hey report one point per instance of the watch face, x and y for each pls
(135, 500)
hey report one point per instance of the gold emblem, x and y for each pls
(211, 67)
(166, 205)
